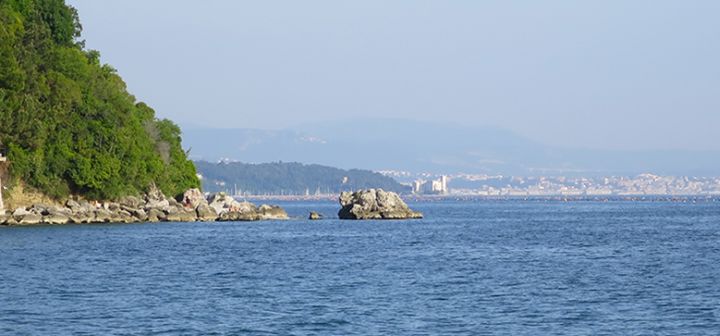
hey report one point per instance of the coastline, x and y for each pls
(152, 207)
(566, 198)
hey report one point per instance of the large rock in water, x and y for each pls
(374, 204)
(228, 209)
(271, 212)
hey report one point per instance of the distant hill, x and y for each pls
(416, 146)
(289, 178)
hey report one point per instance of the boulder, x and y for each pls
(131, 202)
(156, 215)
(82, 217)
(221, 202)
(72, 205)
(111, 206)
(228, 209)
(235, 216)
(173, 203)
(374, 204)
(126, 217)
(10, 220)
(62, 211)
(102, 216)
(55, 219)
(40, 209)
(155, 199)
(192, 198)
(139, 214)
(19, 212)
(30, 219)
(157, 204)
(315, 216)
(205, 213)
(268, 212)
(182, 216)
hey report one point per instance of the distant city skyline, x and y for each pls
(606, 75)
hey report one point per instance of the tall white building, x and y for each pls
(438, 186)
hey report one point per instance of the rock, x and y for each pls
(192, 198)
(19, 212)
(267, 212)
(173, 203)
(30, 219)
(56, 218)
(3, 219)
(62, 211)
(155, 204)
(114, 207)
(131, 202)
(10, 220)
(205, 213)
(85, 206)
(234, 216)
(156, 215)
(126, 217)
(182, 216)
(140, 214)
(82, 217)
(72, 204)
(155, 199)
(39, 209)
(220, 202)
(314, 216)
(154, 194)
(228, 209)
(374, 204)
(102, 216)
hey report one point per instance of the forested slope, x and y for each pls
(290, 178)
(67, 122)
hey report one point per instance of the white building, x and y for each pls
(438, 186)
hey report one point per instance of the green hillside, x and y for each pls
(289, 178)
(67, 122)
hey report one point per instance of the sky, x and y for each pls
(634, 75)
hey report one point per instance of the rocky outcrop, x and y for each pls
(374, 204)
(315, 216)
(228, 209)
(152, 207)
(271, 212)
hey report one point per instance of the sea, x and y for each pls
(470, 267)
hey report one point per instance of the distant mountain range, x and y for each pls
(391, 144)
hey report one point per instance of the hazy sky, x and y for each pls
(602, 74)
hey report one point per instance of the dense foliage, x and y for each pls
(67, 122)
(289, 178)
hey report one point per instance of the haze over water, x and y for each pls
(469, 268)
(612, 75)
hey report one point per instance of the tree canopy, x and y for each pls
(290, 178)
(67, 122)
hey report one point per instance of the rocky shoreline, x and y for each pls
(194, 206)
(151, 207)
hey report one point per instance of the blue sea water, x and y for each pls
(469, 268)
